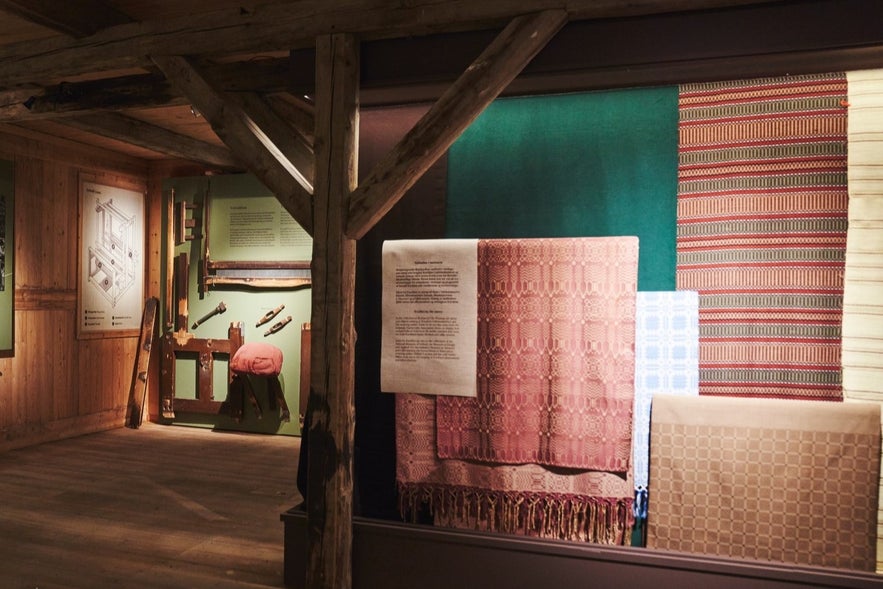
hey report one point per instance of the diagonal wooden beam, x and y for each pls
(292, 25)
(77, 18)
(148, 136)
(476, 88)
(247, 142)
(285, 136)
(299, 113)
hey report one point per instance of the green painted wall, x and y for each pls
(573, 165)
(7, 295)
(232, 198)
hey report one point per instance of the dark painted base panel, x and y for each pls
(400, 556)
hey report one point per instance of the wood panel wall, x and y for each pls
(56, 386)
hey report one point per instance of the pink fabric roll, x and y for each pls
(257, 358)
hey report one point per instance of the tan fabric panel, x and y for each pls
(765, 479)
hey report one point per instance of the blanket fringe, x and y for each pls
(600, 520)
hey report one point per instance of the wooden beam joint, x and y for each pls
(475, 89)
(243, 136)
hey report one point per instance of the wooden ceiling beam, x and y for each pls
(148, 136)
(433, 134)
(242, 136)
(138, 91)
(76, 18)
(286, 25)
(585, 55)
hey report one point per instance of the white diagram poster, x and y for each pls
(111, 281)
(430, 309)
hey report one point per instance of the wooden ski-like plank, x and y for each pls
(138, 390)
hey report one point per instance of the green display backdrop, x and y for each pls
(7, 251)
(576, 165)
(246, 223)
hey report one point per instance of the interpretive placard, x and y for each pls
(430, 317)
(111, 273)
(256, 228)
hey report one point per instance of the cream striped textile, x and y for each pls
(862, 353)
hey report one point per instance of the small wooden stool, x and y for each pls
(257, 359)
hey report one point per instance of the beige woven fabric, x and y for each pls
(765, 479)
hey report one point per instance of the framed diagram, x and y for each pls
(111, 259)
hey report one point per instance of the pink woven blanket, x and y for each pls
(526, 499)
(556, 329)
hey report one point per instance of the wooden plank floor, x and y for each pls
(158, 507)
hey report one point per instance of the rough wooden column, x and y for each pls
(331, 405)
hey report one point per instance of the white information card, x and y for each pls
(430, 317)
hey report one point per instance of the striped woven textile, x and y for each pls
(761, 232)
(863, 289)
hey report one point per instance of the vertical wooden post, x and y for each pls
(331, 405)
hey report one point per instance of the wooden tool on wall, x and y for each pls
(169, 319)
(304, 396)
(182, 284)
(185, 227)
